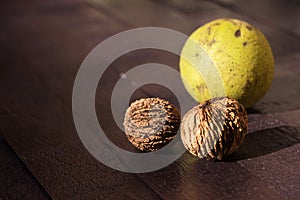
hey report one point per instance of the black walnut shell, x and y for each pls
(214, 128)
(151, 123)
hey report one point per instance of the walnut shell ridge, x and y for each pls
(151, 123)
(214, 128)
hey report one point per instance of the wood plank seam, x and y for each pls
(101, 9)
(19, 160)
(233, 8)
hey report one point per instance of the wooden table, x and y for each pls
(43, 44)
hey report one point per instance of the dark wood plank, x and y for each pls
(191, 178)
(283, 94)
(174, 14)
(140, 13)
(289, 62)
(16, 182)
(286, 13)
(36, 84)
(287, 181)
(50, 39)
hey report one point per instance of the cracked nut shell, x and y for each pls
(151, 123)
(214, 128)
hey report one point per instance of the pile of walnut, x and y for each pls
(210, 130)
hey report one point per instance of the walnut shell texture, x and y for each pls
(214, 128)
(151, 123)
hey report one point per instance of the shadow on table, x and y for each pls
(265, 142)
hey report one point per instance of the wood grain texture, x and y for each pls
(16, 182)
(286, 13)
(37, 84)
(191, 178)
(288, 178)
(43, 44)
(173, 14)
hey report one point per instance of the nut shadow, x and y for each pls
(265, 142)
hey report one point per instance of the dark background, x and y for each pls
(43, 44)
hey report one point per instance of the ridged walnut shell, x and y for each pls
(214, 128)
(151, 123)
